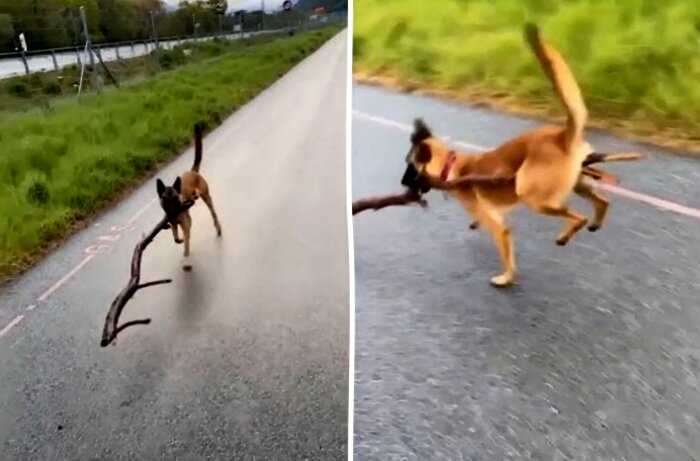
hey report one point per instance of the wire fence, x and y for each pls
(24, 63)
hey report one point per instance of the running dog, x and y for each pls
(187, 188)
(540, 168)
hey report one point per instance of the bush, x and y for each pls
(171, 58)
(52, 88)
(19, 89)
(35, 189)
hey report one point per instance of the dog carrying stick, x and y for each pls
(112, 328)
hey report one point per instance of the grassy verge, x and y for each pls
(636, 60)
(61, 165)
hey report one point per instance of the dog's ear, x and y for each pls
(177, 185)
(423, 153)
(421, 132)
(160, 187)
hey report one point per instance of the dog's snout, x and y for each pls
(410, 176)
(413, 179)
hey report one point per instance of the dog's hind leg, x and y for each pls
(575, 221)
(210, 204)
(600, 205)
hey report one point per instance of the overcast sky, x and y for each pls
(242, 4)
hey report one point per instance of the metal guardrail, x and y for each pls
(16, 63)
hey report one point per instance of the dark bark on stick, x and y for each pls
(411, 196)
(376, 203)
(111, 327)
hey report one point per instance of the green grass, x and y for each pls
(27, 92)
(634, 59)
(61, 165)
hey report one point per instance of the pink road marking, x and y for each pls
(11, 325)
(621, 191)
(65, 278)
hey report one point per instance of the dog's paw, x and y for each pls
(593, 227)
(502, 280)
(187, 267)
(179, 241)
(562, 241)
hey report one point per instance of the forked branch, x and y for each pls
(111, 327)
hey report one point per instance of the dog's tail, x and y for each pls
(598, 157)
(564, 83)
(198, 129)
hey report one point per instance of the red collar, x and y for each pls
(451, 157)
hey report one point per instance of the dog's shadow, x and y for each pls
(193, 303)
(195, 286)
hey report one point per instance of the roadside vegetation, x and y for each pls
(61, 164)
(637, 61)
(39, 89)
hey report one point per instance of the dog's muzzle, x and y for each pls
(414, 180)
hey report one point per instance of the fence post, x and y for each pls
(133, 50)
(55, 62)
(77, 55)
(24, 61)
(116, 50)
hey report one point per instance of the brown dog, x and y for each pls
(540, 168)
(187, 188)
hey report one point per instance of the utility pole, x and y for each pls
(88, 49)
(154, 31)
(262, 18)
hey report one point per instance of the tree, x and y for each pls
(118, 20)
(7, 32)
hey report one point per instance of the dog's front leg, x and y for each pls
(177, 238)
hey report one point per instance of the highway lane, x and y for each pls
(594, 355)
(247, 355)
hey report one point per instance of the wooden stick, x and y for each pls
(111, 327)
(408, 197)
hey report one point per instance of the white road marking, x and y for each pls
(140, 212)
(621, 191)
(11, 325)
(65, 278)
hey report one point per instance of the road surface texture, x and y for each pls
(247, 355)
(594, 355)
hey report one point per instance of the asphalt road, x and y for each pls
(247, 355)
(594, 355)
